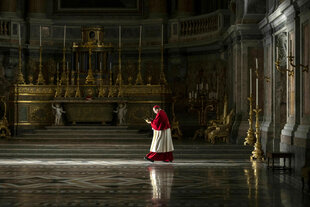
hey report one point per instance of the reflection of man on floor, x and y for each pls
(161, 179)
(162, 146)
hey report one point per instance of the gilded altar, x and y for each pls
(89, 90)
(31, 105)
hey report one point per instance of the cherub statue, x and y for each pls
(121, 113)
(59, 111)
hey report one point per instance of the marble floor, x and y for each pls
(80, 182)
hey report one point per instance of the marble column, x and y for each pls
(267, 138)
(157, 8)
(8, 8)
(185, 8)
(244, 52)
(36, 8)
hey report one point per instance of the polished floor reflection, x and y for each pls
(27, 182)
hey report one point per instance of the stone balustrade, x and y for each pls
(5, 28)
(187, 29)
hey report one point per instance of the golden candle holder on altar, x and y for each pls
(67, 92)
(78, 91)
(58, 88)
(63, 74)
(162, 74)
(139, 80)
(119, 79)
(20, 76)
(40, 80)
(101, 89)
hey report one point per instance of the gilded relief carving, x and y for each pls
(40, 113)
(138, 112)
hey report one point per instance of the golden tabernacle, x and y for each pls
(89, 91)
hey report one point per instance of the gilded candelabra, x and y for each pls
(20, 76)
(40, 80)
(139, 80)
(63, 74)
(162, 74)
(257, 153)
(250, 139)
(282, 70)
(90, 77)
(119, 76)
(305, 68)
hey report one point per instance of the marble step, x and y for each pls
(87, 127)
(91, 131)
(113, 151)
(177, 145)
(82, 135)
(121, 156)
(81, 141)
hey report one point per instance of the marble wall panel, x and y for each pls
(306, 61)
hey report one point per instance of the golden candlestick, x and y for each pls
(139, 80)
(101, 89)
(250, 139)
(78, 91)
(58, 88)
(162, 74)
(40, 80)
(257, 152)
(67, 93)
(119, 76)
(72, 77)
(63, 74)
(111, 92)
(20, 76)
(90, 77)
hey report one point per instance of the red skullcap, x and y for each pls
(156, 107)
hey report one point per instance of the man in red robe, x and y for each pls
(162, 146)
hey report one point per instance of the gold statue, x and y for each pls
(222, 130)
(215, 123)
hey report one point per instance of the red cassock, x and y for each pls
(162, 147)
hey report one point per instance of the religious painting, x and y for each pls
(95, 7)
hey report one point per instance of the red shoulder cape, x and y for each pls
(161, 122)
